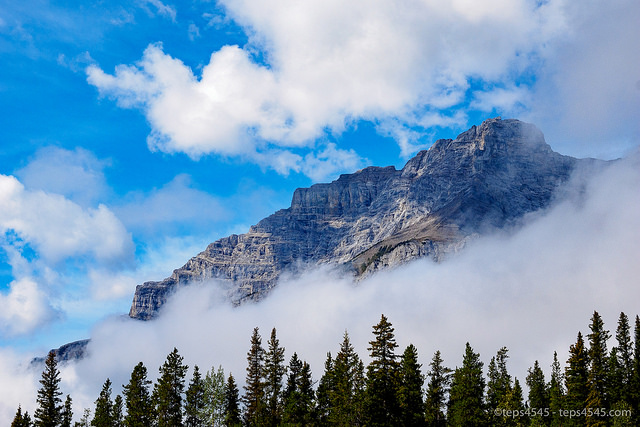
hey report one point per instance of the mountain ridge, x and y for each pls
(490, 176)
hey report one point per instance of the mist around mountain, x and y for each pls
(529, 288)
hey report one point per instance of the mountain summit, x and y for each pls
(488, 177)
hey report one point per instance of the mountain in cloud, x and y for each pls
(489, 177)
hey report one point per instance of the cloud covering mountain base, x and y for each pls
(530, 290)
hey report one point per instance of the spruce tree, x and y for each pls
(49, 410)
(298, 394)
(103, 415)
(576, 378)
(410, 396)
(118, 412)
(214, 395)
(499, 384)
(20, 419)
(437, 391)
(231, 404)
(274, 371)
(323, 393)
(597, 398)
(538, 395)
(556, 393)
(635, 378)
(345, 392)
(382, 407)
(254, 400)
(140, 411)
(67, 413)
(466, 397)
(514, 404)
(168, 391)
(194, 406)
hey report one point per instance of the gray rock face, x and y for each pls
(489, 176)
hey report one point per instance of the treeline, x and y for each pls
(597, 387)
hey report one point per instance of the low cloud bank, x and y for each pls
(531, 291)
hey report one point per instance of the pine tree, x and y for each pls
(214, 395)
(49, 410)
(576, 378)
(274, 371)
(635, 378)
(140, 411)
(84, 421)
(323, 394)
(346, 388)
(103, 415)
(625, 354)
(298, 394)
(231, 404)
(514, 403)
(67, 413)
(382, 407)
(118, 415)
(195, 401)
(20, 419)
(538, 395)
(167, 394)
(499, 384)
(410, 396)
(597, 398)
(556, 392)
(254, 400)
(437, 390)
(466, 397)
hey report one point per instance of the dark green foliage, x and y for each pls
(597, 377)
(410, 396)
(118, 408)
(382, 406)
(298, 394)
(499, 384)
(231, 403)
(576, 378)
(195, 401)
(67, 413)
(137, 399)
(49, 410)
(274, 371)
(254, 402)
(323, 394)
(466, 398)
(167, 394)
(635, 377)
(20, 419)
(214, 395)
(513, 402)
(103, 415)
(437, 390)
(538, 394)
(556, 392)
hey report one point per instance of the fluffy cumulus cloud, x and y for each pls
(531, 291)
(327, 64)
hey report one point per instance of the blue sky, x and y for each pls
(134, 133)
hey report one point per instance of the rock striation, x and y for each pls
(488, 177)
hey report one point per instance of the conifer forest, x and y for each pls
(596, 386)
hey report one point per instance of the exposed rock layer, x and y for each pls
(489, 176)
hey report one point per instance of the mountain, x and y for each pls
(488, 177)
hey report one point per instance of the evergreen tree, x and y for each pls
(538, 395)
(616, 387)
(556, 392)
(231, 403)
(323, 394)
(195, 401)
(597, 377)
(254, 401)
(103, 415)
(274, 371)
(49, 410)
(214, 395)
(298, 394)
(346, 387)
(167, 393)
(137, 399)
(382, 407)
(84, 421)
(635, 378)
(499, 384)
(576, 378)
(437, 390)
(466, 397)
(513, 402)
(20, 419)
(410, 396)
(118, 415)
(67, 413)
(625, 355)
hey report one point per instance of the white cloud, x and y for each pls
(160, 8)
(328, 63)
(58, 228)
(24, 308)
(531, 291)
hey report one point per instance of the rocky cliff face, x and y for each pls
(489, 176)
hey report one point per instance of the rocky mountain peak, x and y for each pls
(378, 217)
